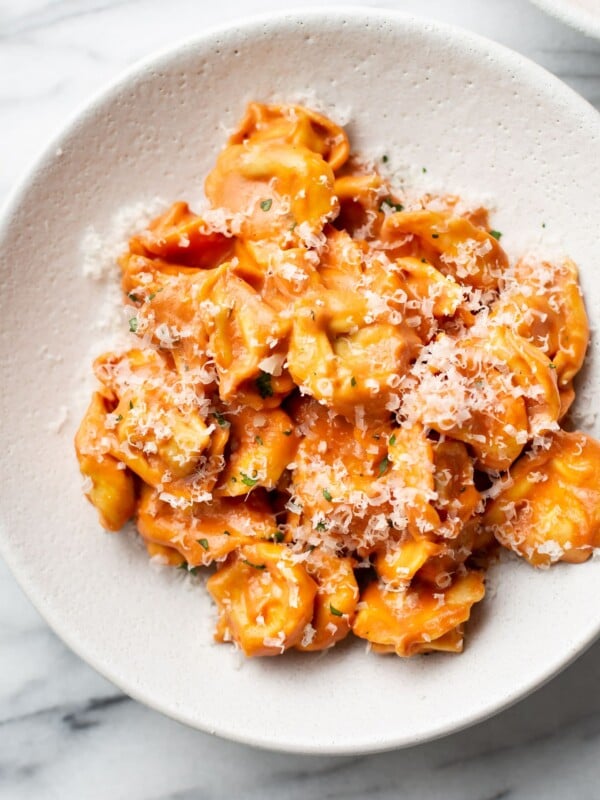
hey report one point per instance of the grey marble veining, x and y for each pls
(65, 732)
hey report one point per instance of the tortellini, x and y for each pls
(550, 510)
(418, 620)
(108, 486)
(265, 599)
(340, 397)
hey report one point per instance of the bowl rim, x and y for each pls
(244, 26)
(574, 16)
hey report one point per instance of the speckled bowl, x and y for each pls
(584, 15)
(484, 122)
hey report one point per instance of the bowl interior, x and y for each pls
(483, 123)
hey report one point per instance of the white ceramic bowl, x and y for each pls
(482, 120)
(584, 15)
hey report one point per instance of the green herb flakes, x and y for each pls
(383, 465)
(248, 481)
(185, 566)
(389, 203)
(256, 566)
(264, 386)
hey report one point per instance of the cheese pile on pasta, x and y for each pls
(340, 399)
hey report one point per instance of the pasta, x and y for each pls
(341, 399)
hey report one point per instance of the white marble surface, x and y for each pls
(67, 733)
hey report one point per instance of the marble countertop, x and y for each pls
(65, 732)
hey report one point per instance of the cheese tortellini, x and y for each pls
(339, 397)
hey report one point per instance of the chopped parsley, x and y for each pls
(392, 439)
(327, 495)
(320, 526)
(278, 536)
(423, 170)
(133, 297)
(552, 365)
(247, 480)
(130, 405)
(266, 204)
(353, 381)
(385, 159)
(496, 234)
(220, 419)
(119, 417)
(250, 564)
(390, 204)
(151, 296)
(259, 440)
(263, 384)
(383, 465)
(133, 324)
(203, 543)
(335, 611)
(185, 566)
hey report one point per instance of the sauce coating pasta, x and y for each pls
(340, 399)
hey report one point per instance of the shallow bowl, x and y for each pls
(449, 109)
